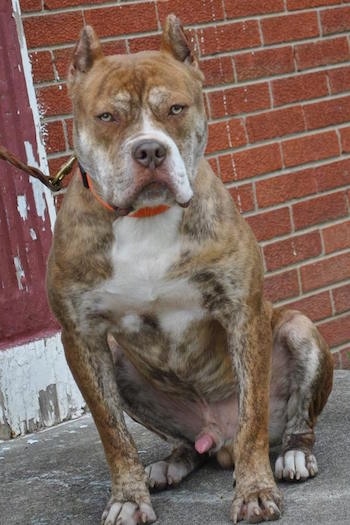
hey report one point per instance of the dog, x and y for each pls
(157, 282)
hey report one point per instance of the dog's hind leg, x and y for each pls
(310, 382)
(172, 470)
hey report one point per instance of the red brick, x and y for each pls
(239, 100)
(197, 12)
(123, 19)
(31, 5)
(325, 272)
(144, 43)
(339, 79)
(316, 306)
(289, 27)
(61, 28)
(218, 70)
(284, 188)
(304, 4)
(337, 237)
(327, 113)
(61, 59)
(214, 164)
(229, 37)
(333, 175)
(270, 224)
(226, 134)
(275, 123)
(55, 139)
(237, 8)
(335, 20)
(264, 63)
(310, 148)
(42, 66)
(281, 286)
(243, 196)
(319, 209)
(292, 250)
(54, 100)
(336, 331)
(297, 88)
(322, 53)
(250, 162)
(115, 47)
(68, 123)
(341, 298)
(345, 139)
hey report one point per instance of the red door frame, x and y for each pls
(25, 228)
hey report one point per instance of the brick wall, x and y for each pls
(277, 92)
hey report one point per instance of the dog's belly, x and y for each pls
(187, 403)
(181, 390)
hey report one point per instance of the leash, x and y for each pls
(53, 183)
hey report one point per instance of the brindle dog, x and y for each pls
(157, 282)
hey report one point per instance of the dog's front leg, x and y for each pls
(257, 497)
(91, 364)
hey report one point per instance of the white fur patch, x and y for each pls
(295, 465)
(131, 323)
(163, 473)
(143, 252)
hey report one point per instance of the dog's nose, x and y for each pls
(149, 153)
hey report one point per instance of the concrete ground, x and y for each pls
(59, 476)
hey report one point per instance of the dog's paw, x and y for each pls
(261, 505)
(127, 513)
(295, 465)
(165, 474)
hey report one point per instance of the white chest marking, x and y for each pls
(143, 252)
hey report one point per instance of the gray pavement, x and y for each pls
(59, 476)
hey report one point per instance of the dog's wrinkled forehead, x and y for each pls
(127, 81)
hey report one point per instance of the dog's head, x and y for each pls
(139, 120)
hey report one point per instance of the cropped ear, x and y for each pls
(86, 52)
(175, 41)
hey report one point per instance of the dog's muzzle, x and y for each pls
(155, 159)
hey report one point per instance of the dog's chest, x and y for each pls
(143, 254)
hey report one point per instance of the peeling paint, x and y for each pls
(19, 273)
(22, 207)
(5, 429)
(33, 234)
(49, 408)
(25, 372)
(42, 195)
(38, 188)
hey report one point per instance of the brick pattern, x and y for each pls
(277, 94)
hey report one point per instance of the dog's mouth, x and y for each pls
(157, 193)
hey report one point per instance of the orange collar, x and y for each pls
(141, 213)
(149, 211)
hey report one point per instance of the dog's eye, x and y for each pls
(176, 109)
(106, 117)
